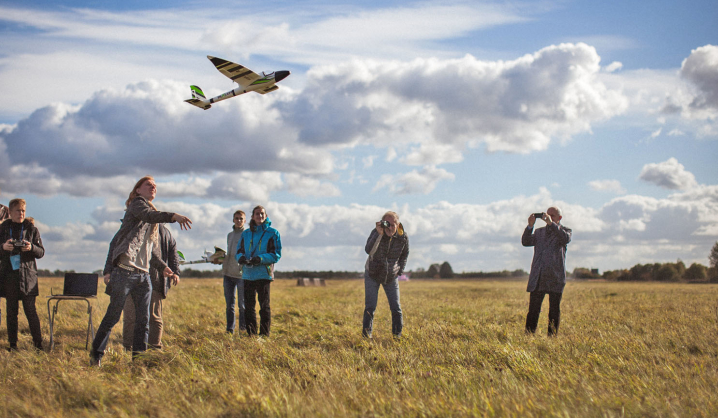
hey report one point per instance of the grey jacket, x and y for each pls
(549, 262)
(230, 267)
(139, 217)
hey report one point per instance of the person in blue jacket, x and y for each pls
(258, 249)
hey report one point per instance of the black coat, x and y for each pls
(28, 266)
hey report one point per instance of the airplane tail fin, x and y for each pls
(197, 93)
(198, 98)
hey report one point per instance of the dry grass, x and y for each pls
(623, 349)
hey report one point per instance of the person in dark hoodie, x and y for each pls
(21, 246)
(132, 250)
(258, 250)
(388, 249)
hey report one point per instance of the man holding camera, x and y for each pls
(548, 268)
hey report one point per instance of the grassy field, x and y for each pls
(630, 349)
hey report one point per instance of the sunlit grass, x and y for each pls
(640, 349)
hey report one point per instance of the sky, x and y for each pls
(463, 117)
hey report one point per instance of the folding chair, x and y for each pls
(78, 286)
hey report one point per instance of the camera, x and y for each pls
(384, 224)
(18, 243)
(538, 215)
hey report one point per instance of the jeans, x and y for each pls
(554, 312)
(154, 339)
(13, 298)
(234, 291)
(261, 289)
(371, 294)
(124, 283)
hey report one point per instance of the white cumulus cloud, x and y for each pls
(515, 106)
(613, 186)
(414, 182)
(669, 174)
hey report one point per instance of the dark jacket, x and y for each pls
(168, 248)
(261, 241)
(28, 266)
(139, 217)
(549, 262)
(390, 257)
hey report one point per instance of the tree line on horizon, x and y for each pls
(659, 272)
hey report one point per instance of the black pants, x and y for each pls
(13, 298)
(261, 289)
(554, 311)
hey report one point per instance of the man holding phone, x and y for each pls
(548, 268)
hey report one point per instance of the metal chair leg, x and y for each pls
(90, 327)
(51, 320)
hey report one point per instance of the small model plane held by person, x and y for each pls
(217, 257)
(247, 79)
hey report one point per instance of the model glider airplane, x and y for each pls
(247, 79)
(216, 257)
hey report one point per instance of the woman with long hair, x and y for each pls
(132, 250)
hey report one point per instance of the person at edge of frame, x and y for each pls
(548, 267)
(232, 272)
(160, 289)
(388, 249)
(21, 246)
(258, 250)
(133, 249)
(4, 214)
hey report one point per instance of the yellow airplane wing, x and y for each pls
(235, 72)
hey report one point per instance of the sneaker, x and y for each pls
(95, 361)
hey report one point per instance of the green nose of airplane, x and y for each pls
(280, 75)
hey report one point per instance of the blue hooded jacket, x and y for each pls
(262, 241)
